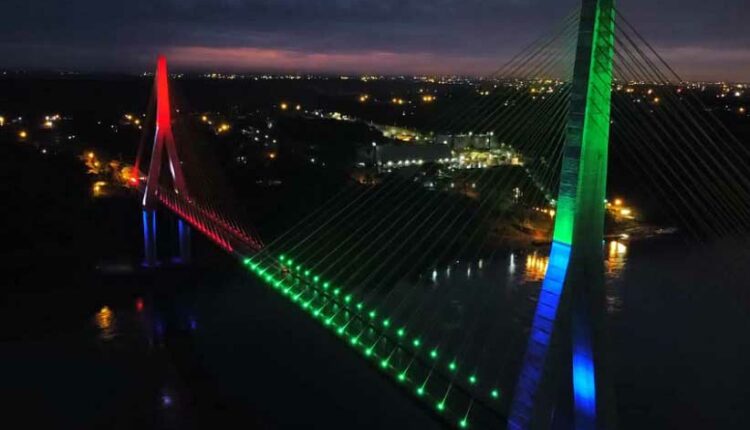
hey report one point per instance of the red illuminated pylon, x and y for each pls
(163, 140)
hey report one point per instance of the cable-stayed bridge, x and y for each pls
(368, 263)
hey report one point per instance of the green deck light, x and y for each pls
(360, 305)
(372, 314)
(452, 366)
(307, 273)
(495, 394)
(384, 363)
(386, 322)
(368, 351)
(299, 267)
(329, 321)
(281, 257)
(463, 423)
(246, 261)
(416, 342)
(420, 391)
(402, 376)
(316, 278)
(326, 285)
(355, 340)
(336, 291)
(440, 406)
(472, 379)
(348, 298)
(401, 332)
(340, 330)
(433, 353)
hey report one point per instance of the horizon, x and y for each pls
(226, 74)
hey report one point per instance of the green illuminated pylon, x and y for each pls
(583, 178)
(571, 305)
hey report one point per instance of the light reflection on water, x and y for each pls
(536, 266)
(486, 285)
(138, 326)
(107, 323)
(533, 267)
(488, 293)
(615, 262)
(614, 266)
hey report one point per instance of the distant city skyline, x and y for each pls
(703, 41)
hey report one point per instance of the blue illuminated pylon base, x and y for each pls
(563, 382)
(183, 238)
(149, 238)
(150, 254)
(535, 392)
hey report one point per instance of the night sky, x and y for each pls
(703, 39)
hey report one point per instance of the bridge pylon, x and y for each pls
(163, 142)
(565, 379)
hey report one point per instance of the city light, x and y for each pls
(616, 249)
(23, 134)
(284, 106)
(99, 188)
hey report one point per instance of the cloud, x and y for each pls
(703, 63)
(95, 34)
(381, 62)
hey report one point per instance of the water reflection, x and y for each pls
(536, 267)
(166, 399)
(617, 254)
(614, 267)
(537, 262)
(105, 320)
(149, 331)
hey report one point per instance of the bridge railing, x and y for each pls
(214, 226)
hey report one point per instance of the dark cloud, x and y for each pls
(472, 34)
